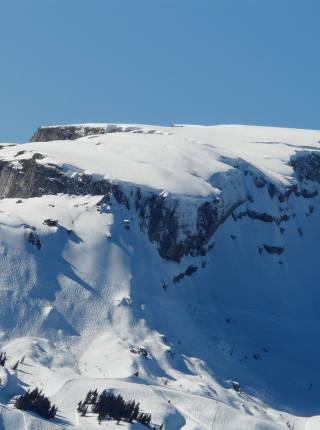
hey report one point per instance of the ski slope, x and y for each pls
(79, 296)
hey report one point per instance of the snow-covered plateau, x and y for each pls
(177, 266)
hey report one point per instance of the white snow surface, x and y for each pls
(77, 306)
(182, 160)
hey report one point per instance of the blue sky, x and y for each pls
(163, 62)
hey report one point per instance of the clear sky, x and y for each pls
(158, 61)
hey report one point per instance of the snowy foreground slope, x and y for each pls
(177, 261)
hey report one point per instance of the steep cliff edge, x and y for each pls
(179, 220)
(75, 131)
(174, 265)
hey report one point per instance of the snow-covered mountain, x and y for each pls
(177, 266)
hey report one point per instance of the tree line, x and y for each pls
(109, 406)
(37, 402)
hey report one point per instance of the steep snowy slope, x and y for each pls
(166, 264)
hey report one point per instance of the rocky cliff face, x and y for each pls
(69, 132)
(178, 228)
(73, 132)
(161, 218)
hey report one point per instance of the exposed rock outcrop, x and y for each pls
(160, 217)
(273, 249)
(306, 166)
(72, 132)
(163, 221)
(69, 132)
